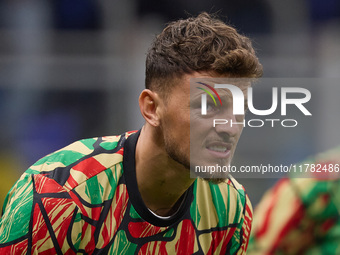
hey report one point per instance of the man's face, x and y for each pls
(176, 122)
(190, 137)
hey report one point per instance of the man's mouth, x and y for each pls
(219, 149)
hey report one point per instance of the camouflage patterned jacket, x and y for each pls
(83, 199)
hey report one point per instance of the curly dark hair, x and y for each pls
(202, 43)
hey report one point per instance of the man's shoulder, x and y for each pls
(81, 160)
(229, 187)
(228, 196)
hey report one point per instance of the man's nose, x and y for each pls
(229, 124)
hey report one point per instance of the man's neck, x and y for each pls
(161, 180)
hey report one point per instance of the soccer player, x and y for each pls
(132, 193)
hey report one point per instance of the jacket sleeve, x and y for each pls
(16, 215)
(39, 216)
(246, 224)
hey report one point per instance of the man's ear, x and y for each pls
(149, 102)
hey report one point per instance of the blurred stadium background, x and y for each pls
(74, 69)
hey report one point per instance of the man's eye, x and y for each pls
(211, 107)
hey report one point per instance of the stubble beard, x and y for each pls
(211, 177)
(217, 178)
(175, 151)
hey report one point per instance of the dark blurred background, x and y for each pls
(72, 69)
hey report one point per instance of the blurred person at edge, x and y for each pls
(133, 193)
(300, 214)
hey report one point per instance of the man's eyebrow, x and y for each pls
(196, 96)
(225, 96)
